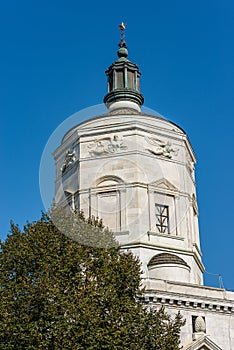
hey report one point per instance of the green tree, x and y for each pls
(57, 293)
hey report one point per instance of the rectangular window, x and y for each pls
(120, 79)
(131, 80)
(162, 218)
(110, 83)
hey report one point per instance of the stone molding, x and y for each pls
(153, 233)
(164, 184)
(203, 343)
(122, 111)
(130, 185)
(154, 297)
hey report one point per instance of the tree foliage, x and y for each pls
(56, 293)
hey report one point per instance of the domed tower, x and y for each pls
(136, 172)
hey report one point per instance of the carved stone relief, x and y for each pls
(161, 148)
(106, 145)
(69, 159)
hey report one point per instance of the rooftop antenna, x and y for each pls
(221, 285)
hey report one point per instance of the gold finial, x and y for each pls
(122, 27)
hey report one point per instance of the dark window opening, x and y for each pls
(162, 218)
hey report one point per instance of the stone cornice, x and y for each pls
(130, 125)
(168, 295)
(132, 184)
(182, 302)
(122, 112)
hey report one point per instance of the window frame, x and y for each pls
(161, 216)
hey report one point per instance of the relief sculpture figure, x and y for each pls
(105, 146)
(160, 148)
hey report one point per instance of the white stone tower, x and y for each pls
(136, 172)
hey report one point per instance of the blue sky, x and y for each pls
(52, 63)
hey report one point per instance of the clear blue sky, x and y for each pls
(52, 63)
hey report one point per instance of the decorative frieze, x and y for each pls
(189, 304)
(106, 146)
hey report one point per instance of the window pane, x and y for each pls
(119, 77)
(131, 80)
(110, 81)
(162, 218)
